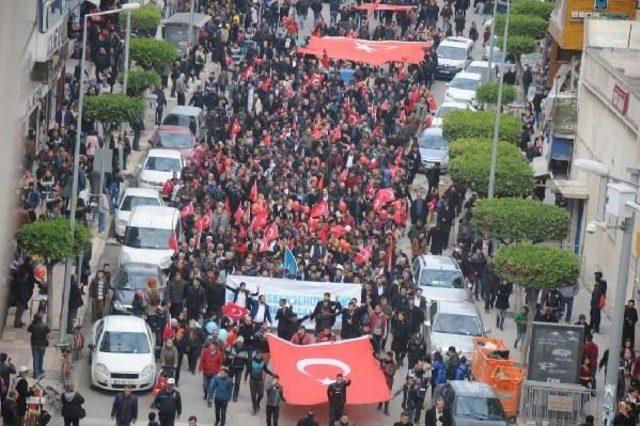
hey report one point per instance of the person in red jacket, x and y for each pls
(302, 337)
(325, 336)
(210, 364)
(378, 325)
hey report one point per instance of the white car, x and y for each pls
(152, 236)
(454, 53)
(482, 68)
(130, 198)
(445, 107)
(159, 167)
(453, 324)
(122, 354)
(463, 88)
(439, 277)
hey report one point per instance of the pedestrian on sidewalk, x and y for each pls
(161, 102)
(75, 302)
(598, 301)
(630, 320)
(168, 403)
(103, 211)
(98, 290)
(275, 396)
(72, 411)
(125, 408)
(39, 342)
(521, 325)
(502, 303)
(6, 370)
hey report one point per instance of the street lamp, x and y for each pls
(496, 126)
(613, 365)
(127, 7)
(125, 79)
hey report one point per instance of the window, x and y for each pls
(135, 278)
(434, 141)
(441, 278)
(478, 408)
(147, 238)
(465, 83)
(163, 164)
(450, 52)
(457, 324)
(120, 342)
(176, 140)
(130, 202)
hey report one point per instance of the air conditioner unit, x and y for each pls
(617, 196)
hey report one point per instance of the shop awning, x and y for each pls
(561, 149)
(572, 189)
(371, 7)
(366, 51)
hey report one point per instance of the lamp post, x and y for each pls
(619, 302)
(496, 124)
(492, 41)
(76, 164)
(125, 77)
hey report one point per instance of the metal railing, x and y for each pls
(554, 404)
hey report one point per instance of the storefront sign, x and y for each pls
(620, 99)
(581, 15)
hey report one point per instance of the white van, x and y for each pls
(150, 234)
(130, 198)
(454, 54)
(187, 116)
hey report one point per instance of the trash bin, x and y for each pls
(507, 384)
(485, 360)
(479, 344)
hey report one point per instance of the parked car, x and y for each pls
(130, 198)
(482, 68)
(121, 354)
(452, 323)
(471, 403)
(463, 88)
(440, 278)
(454, 53)
(158, 167)
(434, 148)
(130, 278)
(448, 106)
(174, 137)
(187, 116)
(151, 236)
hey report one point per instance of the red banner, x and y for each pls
(306, 371)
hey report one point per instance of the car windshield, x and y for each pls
(450, 52)
(465, 83)
(441, 278)
(478, 70)
(147, 238)
(121, 342)
(131, 201)
(163, 164)
(177, 120)
(479, 408)
(135, 279)
(176, 140)
(457, 324)
(433, 141)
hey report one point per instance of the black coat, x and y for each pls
(72, 406)
(39, 332)
(124, 415)
(10, 412)
(502, 296)
(430, 417)
(401, 334)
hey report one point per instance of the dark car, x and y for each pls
(130, 278)
(472, 403)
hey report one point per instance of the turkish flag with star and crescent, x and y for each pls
(306, 371)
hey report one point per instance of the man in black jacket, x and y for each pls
(6, 370)
(169, 404)
(125, 408)
(337, 394)
(215, 293)
(330, 305)
(283, 316)
(195, 301)
(438, 413)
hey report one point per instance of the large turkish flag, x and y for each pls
(306, 371)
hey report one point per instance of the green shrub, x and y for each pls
(518, 45)
(114, 108)
(487, 93)
(152, 54)
(139, 81)
(514, 176)
(522, 25)
(518, 219)
(479, 124)
(537, 266)
(541, 9)
(144, 20)
(51, 239)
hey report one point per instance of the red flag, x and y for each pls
(385, 105)
(248, 72)
(173, 242)
(364, 255)
(402, 117)
(383, 196)
(353, 118)
(266, 138)
(259, 220)
(235, 128)
(238, 216)
(321, 208)
(235, 312)
(187, 210)
(389, 256)
(227, 206)
(271, 233)
(431, 101)
(338, 230)
(206, 220)
(343, 175)
(321, 182)
(306, 371)
(253, 195)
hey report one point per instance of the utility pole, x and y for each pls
(492, 41)
(125, 78)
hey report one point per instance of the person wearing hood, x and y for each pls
(72, 410)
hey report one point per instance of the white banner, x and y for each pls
(302, 295)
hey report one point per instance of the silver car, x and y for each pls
(471, 403)
(454, 324)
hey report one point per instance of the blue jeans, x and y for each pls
(520, 333)
(568, 303)
(207, 385)
(101, 222)
(38, 360)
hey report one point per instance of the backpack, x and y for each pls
(602, 301)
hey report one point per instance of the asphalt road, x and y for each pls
(98, 403)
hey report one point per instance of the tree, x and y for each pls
(522, 25)
(516, 219)
(535, 267)
(114, 108)
(152, 54)
(144, 20)
(479, 124)
(51, 240)
(541, 9)
(139, 81)
(487, 93)
(470, 169)
(518, 45)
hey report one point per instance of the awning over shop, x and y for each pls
(561, 149)
(366, 51)
(371, 7)
(572, 189)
